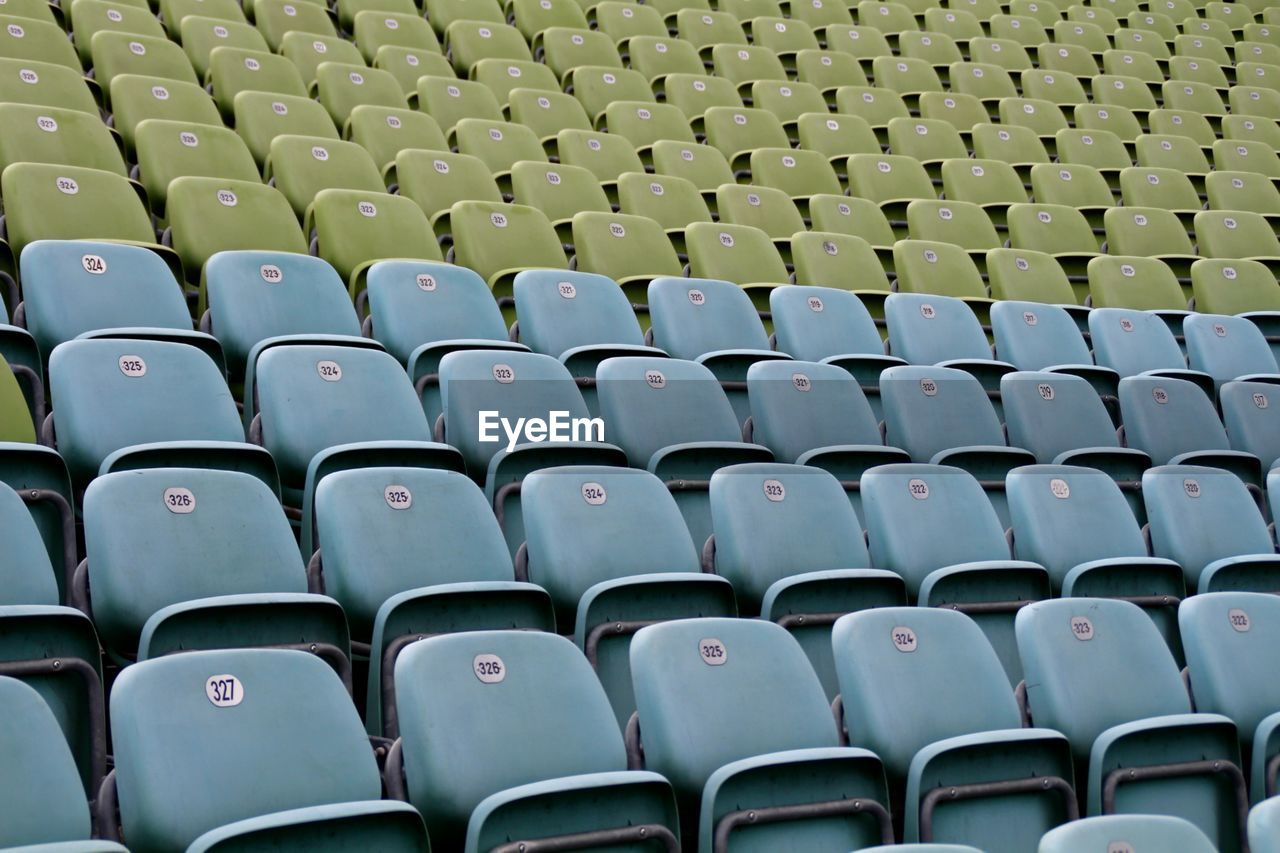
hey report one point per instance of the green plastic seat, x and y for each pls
(1057, 87)
(1138, 283)
(743, 64)
(547, 113)
(1151, 233)
(993, 185)
(1167, 189)
(766, 208)
(41, 134)
(262, 116)
(1078, 185)
(28, 39)
(375, 30)
(307, 51)
(1254, 100)
(1182, 123)
(127, 53)
(959, 223)
(906, 77)
(1251, 129)
(341, 88)
(788, 101)
(525, 239)
(742, 254)
(839, 260)
(781, 744)
(274, 18)
(348, 10)
(498, 144)
(304, 165)
(923, 266)
(449, 101)
(607, 156)
(386, 131)
(828, 70)
(836, 136)
(503, 75)
(987, 81)
(928, 141)
(656, 57)
(1242, 191)
(892, 181)
(407, 64)
(702, 165)
(1237, 155)
(983, 725)
(89, 17)
(961, 24)
(45, 83)
(171, 149)
(705, 29)
(174, 12)
(786, 37)
(1149, 727)
(1017, 145)
(673, 202)
(1173, 152)
(1236, 234)
(625, 21)
(644, 123)
(559, 191)
(136, 99)
(597, 86)
(1059, 230)
(876, 106)
(235, 70)
(737, 132)
(469, 41)
(1029, 276)
(436, 180)
(938, 49)
(201, 35)
(1233, 286)
(442, 13)
(961, 111)
(564, 50)
(630, 250)
(317, 810)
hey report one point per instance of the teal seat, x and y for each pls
(1139, 832)
(182, 558)
(44, 804)
(485, 394)
(421, 310)
(1264, 827)
(1229, 348)
(730, 712)
(1060, 419)
(943, 416)
(924, 690)
(1174, 423)
(794, 552)
(942, 330)
(964, 563)
(191, 730)
(1134, 343)
(74, 288)
(833, 327)
(315, 404)
(579, 318)
(126, 403)
(257, 299)
(411, 552)
(1075, 522)
(1207, 521)
(1250, 419)
(552, 765)
(26, 575)
(1098, 671)
(671, 417)
(610, 546)
(1034, 336)
(713, 323)
(39, 476)
(1228, 638)
(815, 414)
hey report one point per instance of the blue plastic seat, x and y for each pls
(125, 403)
(795, 554)
(672, 418)
(489, 397)
(943, 416)
(611, 548)
(257, 299)
(44, 805)
(831, 326)
(1229, 638)
(1174, 422)
(964, 562)
(74, 288)
(1098, 671)
(1075, 523)
(190, 730)
(1210, 523)
(1032, 336)
(1134, 343)
(924, 690)
(1229, 348)
(730, 712)
(815, 414)
(421, 310)
(942, 330)
(1251, 419)
(1138, 832)
(713, 323)
(579, 318)
(1264, 827)
(551, 765)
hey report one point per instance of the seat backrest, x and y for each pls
(312, 397)
(961, 223)
(148, 537)
(505, 385)
(44, 802)
(1233, 286)
(44, 134)
(1157, 832)
(622, 247)
(490, 237)
(208, 215)
(760, 511)
(671, 201)
(1145, 231)
(692, 317)
(185, 738)
(712, 691)
(1227, 347)
(1033, 336)
(1064, 516)
(26, 575)
(899, 501)
(1074, 184)
(1167, 417)
(547, 715)
(46, 201)
(418, 302)
(1235, 234)
(1093, 663)
(558, 191)
(741, 254)
(798, 406)
(1030, 275)
(891, 700)
(1132, 342)
(559, 311)
(1199, 515)
(884, 177)
(113, 393)
(926, 266)
(1050, 228)
(652, 403)
(1251, 420)
(1155, 187)
(586, 524)
(1050, 413)
(927, 329)
(931, 409)
(813, 323)
(383, 531)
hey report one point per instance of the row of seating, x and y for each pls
(732, 737)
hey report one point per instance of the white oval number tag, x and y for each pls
(655, 379)
(774, 490)
(712, 652)
(1238, 619)
(271, 273)
(594, 494)
(1081, 628)
(904, 639)
(132, 366)
(489, 668)
(397, 497)
(224, 691)
(93, 264)
(330, 371)
(1059, 489)
(919, 489)
(179, 500)
(504, 374)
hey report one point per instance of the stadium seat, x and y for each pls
(436, 180)
(742, 254)
(404, 28)
(694, 94)
(1156, 830)
(1141, 730)
(559, 191)
(597, 86)
(1150, 232)
(1238, 155)
(630, 250)
(993, 185)
(274, 18)
(1033, 336)
(233, 70)
(154, 723)
(547, 113)
(307, 51)
(1075, 185)
(607, 156)
(385, 131)
(200, 35)
(1237, 235)
(449, 101)
(171, 149)
(1248, 191)
(738, 132)
(891, 181)
(341, 87)
(929, 329)
(1135, 283)
(566, 50)
(1166, 189)
(302, 166)
(768, 744)
(1262, 826)
(354, 228)
(531, 242)
(1059, 230)
(925, 266)
(262, 116)
(894, 715)
(29, 39)
(1228, 348)
(1032, 276)
(838, 261)
(34, 82)
(1249, 419)
(669, 200)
